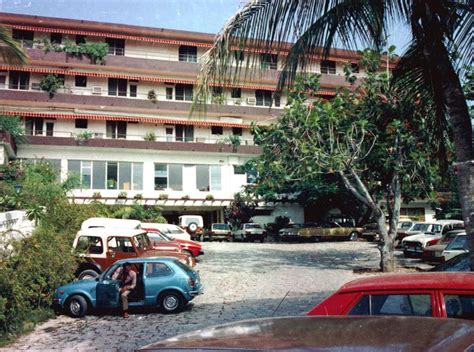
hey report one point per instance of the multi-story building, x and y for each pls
(123, 125)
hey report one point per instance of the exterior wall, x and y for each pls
(293, 211)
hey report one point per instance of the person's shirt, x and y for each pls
(129, 279)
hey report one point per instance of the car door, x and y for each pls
(157, 278)
(107, 289)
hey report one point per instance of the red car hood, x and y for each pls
(189, 243)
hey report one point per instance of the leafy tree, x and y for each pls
(440, 44)
(240, 210)
(373, 138)
(13, 126)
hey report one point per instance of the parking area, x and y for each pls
(241, 281)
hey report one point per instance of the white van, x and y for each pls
(170, 230)
(110, 223)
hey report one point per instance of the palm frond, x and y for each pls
(10, 50)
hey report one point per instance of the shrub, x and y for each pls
(138, 196)
(51, 83)
(149, 136)
(14, 126)
(122, 195)
(152, 96)
(209, 197)
(96, 195)
(163, 196)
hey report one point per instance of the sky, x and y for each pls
(206, 16)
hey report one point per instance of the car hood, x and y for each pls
(189, 243)
(436, 247)
(422, 237)
(83, 285)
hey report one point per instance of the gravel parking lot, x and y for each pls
(241, 281)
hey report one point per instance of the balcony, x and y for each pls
(198, 144)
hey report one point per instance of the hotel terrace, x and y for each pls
(123, 125)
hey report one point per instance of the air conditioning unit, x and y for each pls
(98, 135)
(251, 101)
(97, 90)
(35, 86)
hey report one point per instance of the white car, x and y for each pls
(457, 246)
(170, 230)
(249, 232)
(414, 245)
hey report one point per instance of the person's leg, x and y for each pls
(124, 299)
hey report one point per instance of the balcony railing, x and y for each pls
(141, 137)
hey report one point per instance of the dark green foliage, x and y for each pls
(51, 83)
(240, 210)
(14, 126)
(95, 51)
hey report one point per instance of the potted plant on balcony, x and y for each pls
(185, 197)
(150, 136)
(138, 196)
(152, 96)
(51, 83)
(122, 195)
(209, 197)
(96, 195)
(163, 196)
(82, 137)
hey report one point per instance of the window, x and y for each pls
(112, 175)
(251, 176)
(184, 92)
(219, 130)
(263, 97)
(202, 178)
(116, 46)
(49, 129)
(236, 93)
(98, 176)
(56, 38)
(239, 170)
(169, 93)
(80, 39)
(81, 123)
(118, 87)
(328, 67)
(120, 245)
(354, 67)
(90, 244)
(459, 306)
(184, 133)
(169, 176)
(237, 131)
(459, 243)
(86, 174)
(19, 80)
(24, 37)
(80, 81)
(216, 178)
(133, 90)
(161, 176)
(188, 53)
(169, 131)
(216, 91)
(415, 304)
(269, 61)
(239, 55)
(33, 126)
(157, 270)
(116, 129)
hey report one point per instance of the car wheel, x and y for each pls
(76, 306)
(171, 302)
(88, 274)
(192, 227)
(353, 236)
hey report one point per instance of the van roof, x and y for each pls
(110, 231)
(107, 222)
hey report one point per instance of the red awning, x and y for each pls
(144, 119)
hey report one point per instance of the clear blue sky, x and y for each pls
(194, 15)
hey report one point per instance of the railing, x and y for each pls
(140, 137)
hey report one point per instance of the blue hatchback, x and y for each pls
(161, 282)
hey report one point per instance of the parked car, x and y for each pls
(192, 224)
(249, 232)
(414, 245)
(219, 232)
(416, 228)
(458, 263)
(457, 246)
(101, 247)
(442, 295)
(371, 231)
(170, 230)
(388, 334)
(433, 254)
(330, 230)
(290, 232)
(161, 282)
(192, 247)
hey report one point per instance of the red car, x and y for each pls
(434, 294)
(192, 247)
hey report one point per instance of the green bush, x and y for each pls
(51, 83)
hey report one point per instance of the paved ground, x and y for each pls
(242, 281)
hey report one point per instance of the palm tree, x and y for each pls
(10, 50)
(432, 66)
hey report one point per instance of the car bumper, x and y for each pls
(57, 304)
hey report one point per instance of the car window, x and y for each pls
(120, 244)
(220, 227)
(459, 306)
(253, 226)
(420, 227)
(415, 304)
(157, 269)
(404, 225)
(186, 268)
(459, 243)
(90, 244)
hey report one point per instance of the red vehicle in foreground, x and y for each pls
(434, 294)
(192, 247)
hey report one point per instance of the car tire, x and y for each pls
(88, 274)
(171, 302)
(353, 236)
(76, 306)
(192, 227)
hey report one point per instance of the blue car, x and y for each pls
(161, 282)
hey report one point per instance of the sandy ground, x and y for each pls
(241, 281)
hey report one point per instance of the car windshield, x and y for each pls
(406, 225)
(449, 236)
(220, 227)
(458, 244)
(252, 226)
(420, 227)
(157, 236)
(458, 263)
